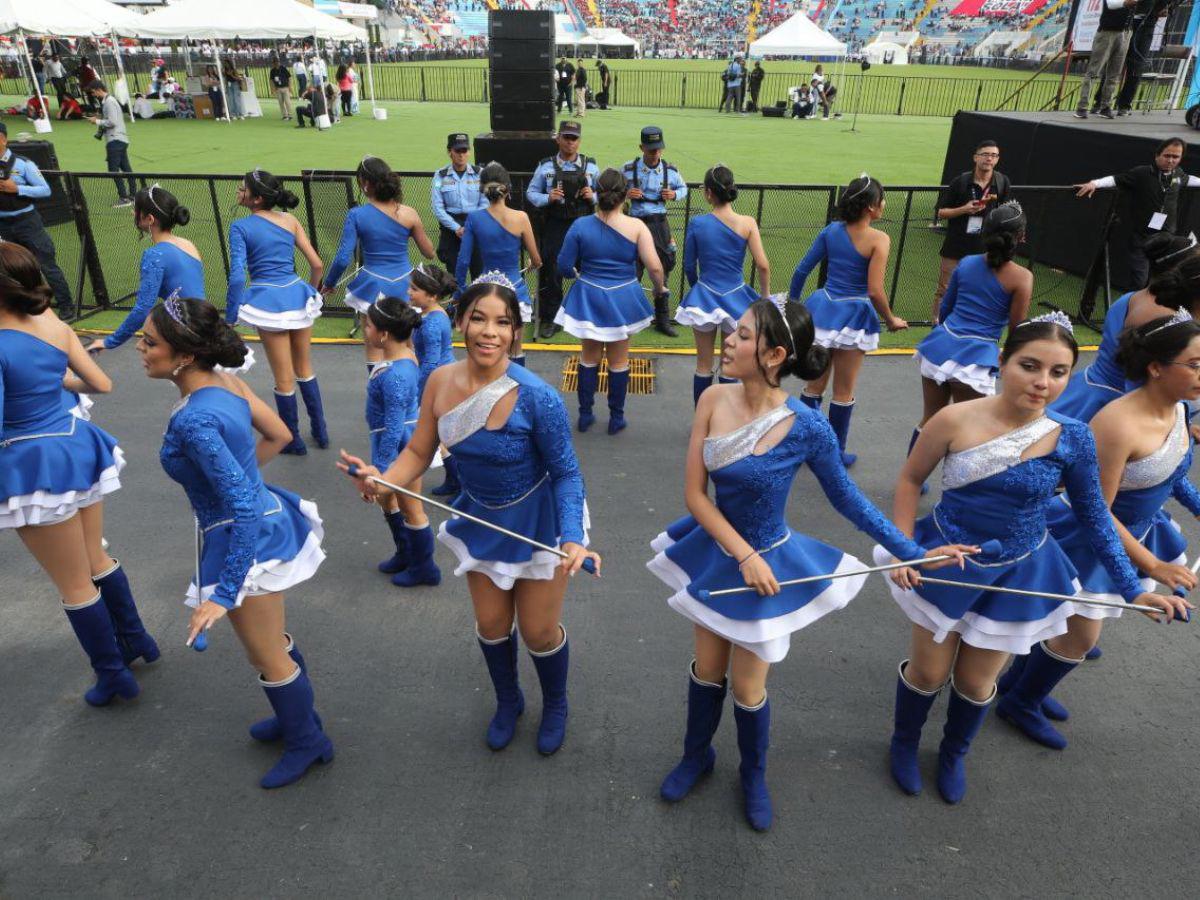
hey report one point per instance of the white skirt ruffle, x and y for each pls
(978, 378)
(43, 508)
(589, 331)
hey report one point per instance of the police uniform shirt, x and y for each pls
(31, 185)
(650, 182)
(455, 194)
(542, 182)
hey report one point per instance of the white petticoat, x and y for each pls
(589, 331)
(42, 508)
(847, 339)
(978, 378)
(289, 320)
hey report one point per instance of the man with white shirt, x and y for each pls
(301, 74)
(1108, 56)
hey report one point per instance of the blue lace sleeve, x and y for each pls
(1081, 478)
(811, 260)
(1185, 492)
(568, 257)
(435, 345)
(690, 254)
(237, 273)
(201, 439)
(552, 437)
(398, 395)
(345, 251)
(149, 290)
(825, 459)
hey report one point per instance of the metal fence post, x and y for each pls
(978, 95)
(687, 223)
(306, 180)
(422, 84)
(683, 92)
(87, 244)
(216, 206)
(900, 102)
(900, 249)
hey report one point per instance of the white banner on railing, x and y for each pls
(1087, 23)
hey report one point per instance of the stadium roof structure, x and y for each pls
(228, 19)
(798, 36)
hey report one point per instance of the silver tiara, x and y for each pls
(379, 309)
(866, 185)
(779, 301)
(495, 276)
(1013, 205)
(1181, 315)
(1191, 246)
(1057, 317)
(174, 307)
(150, 195)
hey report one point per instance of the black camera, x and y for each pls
(100, 132)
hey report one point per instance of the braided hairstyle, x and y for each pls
(197, 328)
(610, 190)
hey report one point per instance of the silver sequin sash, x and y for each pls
(726, 449)
(468, 417)
(963, 467)
(1159, 465)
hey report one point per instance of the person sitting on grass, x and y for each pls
(69, 108)
(313, 106)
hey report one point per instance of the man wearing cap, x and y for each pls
(654, 182)
(562, 186)
(20, 184)
(454, 194)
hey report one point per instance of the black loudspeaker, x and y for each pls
(519, 153)
(522, 56)
(773, 112)
(509, 87)
(536, 115)
(521, 25)
(55, 209)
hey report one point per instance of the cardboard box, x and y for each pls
(204, 107)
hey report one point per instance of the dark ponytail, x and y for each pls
(381, 182)
(197, 328)
(610, 190)
(395, 317)
(268, 188)
(720, 183)
(1157, 341)
(23, 289)
(433, 280)
(792, 330)
(162, 205)
(1003, 230)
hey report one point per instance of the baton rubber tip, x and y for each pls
(200, 644)
(702, 595)
(589, 566)
(352, 471)
(990, 548)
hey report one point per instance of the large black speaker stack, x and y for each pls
(522, 79)
(56, 208)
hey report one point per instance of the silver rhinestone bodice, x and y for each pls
(1159, 465)
(464, 420)
(726, 449)
(964, 467)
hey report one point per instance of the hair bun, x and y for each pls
(287, 199)
(228, 348)
(182, 215)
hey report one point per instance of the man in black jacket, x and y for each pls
(1145, 18)
(1153, 194)
(1108, 55)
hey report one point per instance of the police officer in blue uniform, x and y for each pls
(561, 186)
(653, 183)
(454, 194)
(20, 184)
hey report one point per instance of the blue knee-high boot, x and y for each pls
(421, 568)
(618, 386)
(131, 634)
(501, 659)
(839, 418)
(705, 703)
(1094, 653)
(912, 709)
(753, 738)
(311, 392)
(269, 730)
(1022, 705)
(589, 380)
(290, 413)
(398, 561)
(552, 668)
(700, 384)
(1051, 708)
(812, 402)
(304, 743)
(450, 487)
(94, 629)
(964, 718)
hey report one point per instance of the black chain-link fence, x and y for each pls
(99, 248)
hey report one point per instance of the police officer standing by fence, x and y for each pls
(561, 186)
(20, 184)
(454, 194)
(653, 183)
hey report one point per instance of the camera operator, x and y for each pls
(111, 130)
(20, 184)
(802, 102)
(562, 186)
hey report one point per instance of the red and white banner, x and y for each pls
(997, 7)
(1087, 23)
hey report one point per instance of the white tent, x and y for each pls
(798, 36)
(880, 52)
(612, 37)
(566, 35)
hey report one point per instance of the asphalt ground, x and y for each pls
(159, 797)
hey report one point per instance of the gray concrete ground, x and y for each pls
(159, 796)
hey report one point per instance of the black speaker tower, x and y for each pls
(523, 89)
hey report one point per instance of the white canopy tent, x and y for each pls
(612, 37)
(219, 20)
(566, 35)
(885, 52)
(798, 36)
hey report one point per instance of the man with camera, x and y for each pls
(110, 128)
(732, 76)
(20, 184)
(561, 186)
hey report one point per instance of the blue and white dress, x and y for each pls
(500, 250)
(254, 538)
(432, 343)
(751, 492)
(1146, 485)
(714, 260)
(522, 476)
(385, 266)
(1103, 381)
(989, 493)
(52, 463)
(965, 347)
(606, 302)
(842, 312)
(276, 298)
(166, 270)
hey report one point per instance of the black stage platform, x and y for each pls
(1055, 148)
